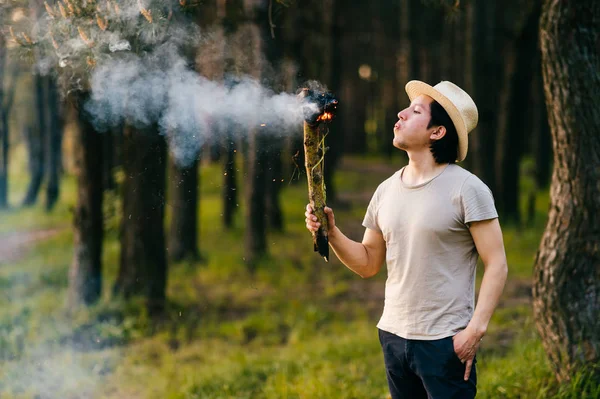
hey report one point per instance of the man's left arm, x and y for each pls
(487, 236)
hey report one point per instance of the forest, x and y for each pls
(153, 189)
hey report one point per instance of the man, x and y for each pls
(429, 222)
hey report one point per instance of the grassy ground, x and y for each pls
(295, 328)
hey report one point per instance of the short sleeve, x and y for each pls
(477, 201)
(370, 220)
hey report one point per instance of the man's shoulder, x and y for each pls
(466, 179)
(457, 174)
(389, 181)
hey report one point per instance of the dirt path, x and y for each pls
(14, 246)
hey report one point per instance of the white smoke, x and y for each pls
(135, 58)
(187, 107)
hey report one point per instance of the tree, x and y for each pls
(143, 263)
(53, 144)
(566, 290)
(36, 139)
(515, 125)
(85, 273)
(183, 199)
(7, 96)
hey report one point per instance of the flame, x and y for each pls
(327, 116)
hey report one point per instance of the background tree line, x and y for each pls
(364, 52)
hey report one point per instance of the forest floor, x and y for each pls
(295, 327)
(15, 245)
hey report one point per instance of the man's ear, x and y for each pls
(438, 133)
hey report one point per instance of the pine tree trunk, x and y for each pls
(143, 265)
(486, 83)
(256, 226)
(256, 159)
(5, 105)
(183, 198)
(566, 291)
(230, 194)
(515, 126)
(53, 144)
(85, 273)
(4, 154)
(542, 139)
(36, 138)
(274, 180)
(109, 153)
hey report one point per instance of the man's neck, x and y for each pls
(421, 168)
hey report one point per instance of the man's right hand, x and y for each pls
(311, 219)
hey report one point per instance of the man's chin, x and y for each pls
(398, 145)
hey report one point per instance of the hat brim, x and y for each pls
(415, 88)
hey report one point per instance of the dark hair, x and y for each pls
(444, 150)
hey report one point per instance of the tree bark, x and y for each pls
(4, 154)
(255, 233)
(36, 138)
(7, 96)
(230, 194)
(53, 144)
(109, 153)
(85, 273)
(542, 139)
(566, 291)
(516, 125)
(353, 90)
(256, 226)
(183, 198)
(485, 63)
(274, 180)
(143, 265)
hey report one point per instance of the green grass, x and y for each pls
(295, 328)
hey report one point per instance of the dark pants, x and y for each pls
(425, 369)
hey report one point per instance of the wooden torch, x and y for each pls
(318, 108)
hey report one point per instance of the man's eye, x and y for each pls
(416, 112)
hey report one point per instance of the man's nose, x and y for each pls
(401, 115)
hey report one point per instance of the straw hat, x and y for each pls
(458, 104)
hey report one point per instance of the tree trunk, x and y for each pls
(256, 159)
(566, 291)
(54, 143)
(109, 153)
(36, 137)
(85, 273)
(183, 198)
(7, 96)
(486, 83)
(256, 229)
(143, 266)
(516, 125)
(230, 194)
(542, 140)
(4, 153)
(274, 180)
(353, 90)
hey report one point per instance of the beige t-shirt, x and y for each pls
(431, 257)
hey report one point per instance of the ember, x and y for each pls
(318, 107)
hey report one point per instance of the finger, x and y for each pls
(468, 369)
(309, 208)
(328, 209)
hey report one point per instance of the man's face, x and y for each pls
(411, 132)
